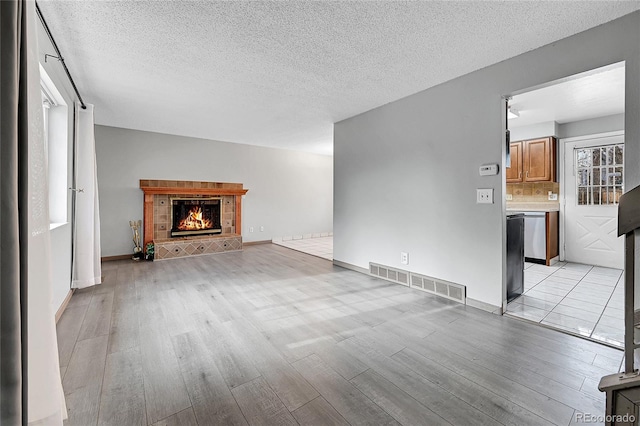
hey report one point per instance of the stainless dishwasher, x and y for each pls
(535, 235)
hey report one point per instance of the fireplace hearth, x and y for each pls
(195, 216)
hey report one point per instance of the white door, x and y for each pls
(593, 179)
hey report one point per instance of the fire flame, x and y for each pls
(195, 220)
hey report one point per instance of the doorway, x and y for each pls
(582, 118)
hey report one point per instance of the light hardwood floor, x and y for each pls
(271, 336)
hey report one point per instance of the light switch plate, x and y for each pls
(484, 196)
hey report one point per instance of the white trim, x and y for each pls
(351, 267)
(50, 89)
(562, 181)
(277, 240)
(54, 225)
(503, 198)
(561, 197)
(64, 305)
(487, 307)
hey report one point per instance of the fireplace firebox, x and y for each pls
(195, 216)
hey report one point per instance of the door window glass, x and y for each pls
(599, 174)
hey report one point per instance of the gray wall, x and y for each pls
(406, 173)
(592, 126)
(538, 130)
(609, 123)
(290, 192)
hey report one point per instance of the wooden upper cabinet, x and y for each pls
(514, 173)
(532, 161)
(539, 160)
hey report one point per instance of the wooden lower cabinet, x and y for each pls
(552, 236)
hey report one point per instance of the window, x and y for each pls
(56, 122)
(600, 174)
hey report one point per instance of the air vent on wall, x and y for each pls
(416, 282)
(396, 275)
(442, 288)
(423, 283)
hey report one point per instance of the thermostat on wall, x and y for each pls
(489, 170)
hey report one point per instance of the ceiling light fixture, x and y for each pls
(512, 113)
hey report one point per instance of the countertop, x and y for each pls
(553, 206)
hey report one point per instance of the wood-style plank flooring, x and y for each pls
(271, 336)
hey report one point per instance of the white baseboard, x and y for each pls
(302, 236)
(350, 266)
(64, 304)
(484, 306)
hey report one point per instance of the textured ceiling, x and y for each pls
(596, 93)
(281, 73)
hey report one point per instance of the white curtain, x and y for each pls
(87, 269)
(46, 398)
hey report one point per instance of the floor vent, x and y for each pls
(446, 289)
(396, 275)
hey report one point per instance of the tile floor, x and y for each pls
(582, 299)
(316, 246)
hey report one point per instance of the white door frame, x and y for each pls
(561, 172)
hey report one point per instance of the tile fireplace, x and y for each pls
(189, 218)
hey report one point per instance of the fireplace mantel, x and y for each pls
(192, 191)
(181, 187)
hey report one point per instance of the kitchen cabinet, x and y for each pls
(532, 161)
(514, 173)
(552, 237)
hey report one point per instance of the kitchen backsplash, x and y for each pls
(531, 192)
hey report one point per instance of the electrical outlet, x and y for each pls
(262, 229)
(251, 229)
(552, 196)
(404, 258)
(484, 196)
(508, 197)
